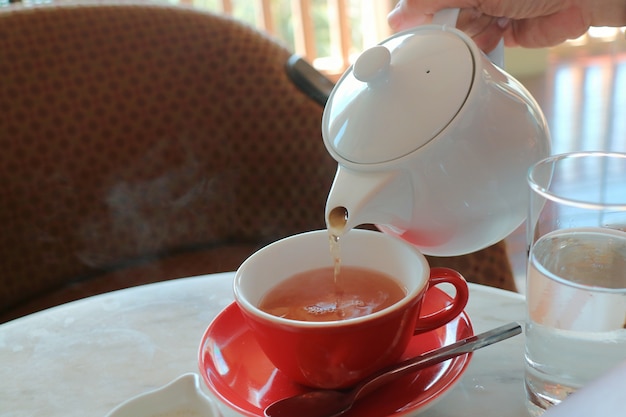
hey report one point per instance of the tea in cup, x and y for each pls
(329, 332)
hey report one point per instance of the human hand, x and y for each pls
(527, 23)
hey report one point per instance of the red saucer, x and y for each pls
(235, 369)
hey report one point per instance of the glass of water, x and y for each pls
(576, 277)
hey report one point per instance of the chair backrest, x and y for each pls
(131, 130)
(138, 132)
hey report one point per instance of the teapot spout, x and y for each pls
(368, 197)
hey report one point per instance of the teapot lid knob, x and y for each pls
(399, 95)
(372, 63)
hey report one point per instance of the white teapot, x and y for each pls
(433, 142)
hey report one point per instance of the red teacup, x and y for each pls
(336, 354)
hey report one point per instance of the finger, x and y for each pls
(410, 13)
(473, 22)
(488, 39)
(483, 28)
(547, 31)
(405, 15)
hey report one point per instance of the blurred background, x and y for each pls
(580, 85)
(331, 33)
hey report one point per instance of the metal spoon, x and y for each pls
(331, 403)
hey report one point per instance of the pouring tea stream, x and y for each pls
(432, 141)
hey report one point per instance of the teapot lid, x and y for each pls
(398, 95)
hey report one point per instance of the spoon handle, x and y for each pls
(467, 345)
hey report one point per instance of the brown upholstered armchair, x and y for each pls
(142, 142)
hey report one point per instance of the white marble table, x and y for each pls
(84, 358)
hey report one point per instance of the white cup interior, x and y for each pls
(367, 249)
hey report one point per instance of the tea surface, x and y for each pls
(315, 295)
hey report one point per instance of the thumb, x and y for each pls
(403, 17)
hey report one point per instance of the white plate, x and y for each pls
(180, 398)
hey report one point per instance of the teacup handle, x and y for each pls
(449, 17)
(450, 312)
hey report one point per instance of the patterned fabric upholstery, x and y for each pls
(142, 142)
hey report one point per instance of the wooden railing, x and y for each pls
(328, 33)
(331, 33)
(344, 28)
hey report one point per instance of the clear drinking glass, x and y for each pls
(576, 277)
